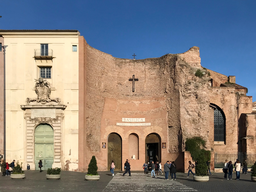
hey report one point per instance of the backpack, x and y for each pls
(193, 166)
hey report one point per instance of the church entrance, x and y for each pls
(153, 148)
(44, 147)
(115, 151)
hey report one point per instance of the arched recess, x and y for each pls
(219, 124)
(153, 147)
(44, 146)
(134, 146)
(115, 150)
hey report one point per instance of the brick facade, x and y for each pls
(177, 104)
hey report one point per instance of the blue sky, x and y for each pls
(224, 30)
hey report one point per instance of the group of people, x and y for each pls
(127, 168)
(154, 167)
(7, 168)
(170, 167)
(228, 169)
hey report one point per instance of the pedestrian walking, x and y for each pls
(112, 167)
(145, 167)
(230, 170)
(127, 167)
(12, 165)
(238, 169)
(173, 170)
(3, 166)
(153, 174)
(166, 169)
(191, 166)
(160, 168)
(245, 167)
(225, 169)
(157, 168)
(208, 163)
(7, 169)
(40, 165)
(150, 166)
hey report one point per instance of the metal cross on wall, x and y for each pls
(133, 79)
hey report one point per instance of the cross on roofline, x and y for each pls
(134, 56)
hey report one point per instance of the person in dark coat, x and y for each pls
(230, 170)
(3, 166)
(173, 170)
(245, 167)
(127, 167)
(40, 165)
(150, 166)
(157, 168)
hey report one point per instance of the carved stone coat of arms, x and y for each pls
(43, 91)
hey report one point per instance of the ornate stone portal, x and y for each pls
(43, 110)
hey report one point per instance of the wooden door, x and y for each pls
(115, 151)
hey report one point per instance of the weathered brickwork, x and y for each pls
(177, 103)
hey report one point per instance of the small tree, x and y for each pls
(53, 171)
(201, 167)
(196, 147)
(17, 169)
(92, 169)
(254, 170)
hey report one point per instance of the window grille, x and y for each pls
(45, 72)
(219, 125)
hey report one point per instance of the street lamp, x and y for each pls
(4, 51)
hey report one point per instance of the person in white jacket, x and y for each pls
(238, 169)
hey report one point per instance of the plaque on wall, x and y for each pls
(164, 145)
(103, 145)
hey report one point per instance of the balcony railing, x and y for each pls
(43, 54)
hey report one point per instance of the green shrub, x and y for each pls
(199, 73)
(17, 169)
(55, 171)
(254, 170)
(92, 168)
(196, 147)
(201, 166)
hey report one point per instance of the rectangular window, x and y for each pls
(74, 48)
(0, 46)
(44, 49)
(45, 72)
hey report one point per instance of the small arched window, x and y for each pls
(219, 125)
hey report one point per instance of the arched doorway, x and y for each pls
(153, 148)
(44, 147)
(115, 150)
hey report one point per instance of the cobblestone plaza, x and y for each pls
(74, 181)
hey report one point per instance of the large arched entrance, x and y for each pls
(153, 148)
(44, 146)
(115, 150)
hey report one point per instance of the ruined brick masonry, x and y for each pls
(177, 104)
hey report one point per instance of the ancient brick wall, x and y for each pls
(168, 94)
(108, 78)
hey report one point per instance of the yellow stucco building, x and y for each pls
(42, 97)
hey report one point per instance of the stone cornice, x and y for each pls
(24, 107)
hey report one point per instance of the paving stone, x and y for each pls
(140, 182)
